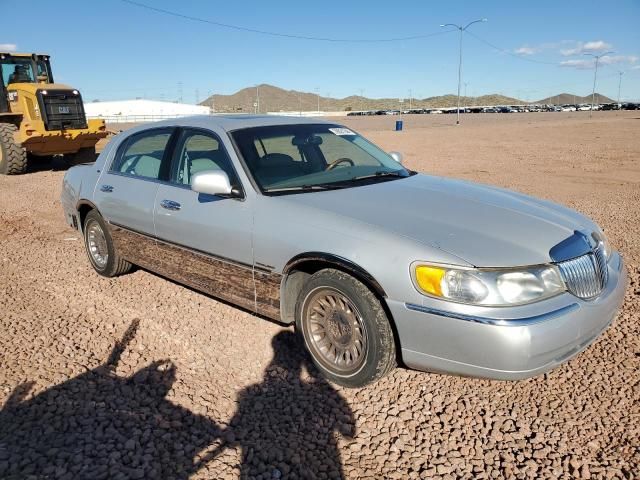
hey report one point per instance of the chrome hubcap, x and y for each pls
(97, 244)
(335, 331)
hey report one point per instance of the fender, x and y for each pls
(79, 208)
(354, 269)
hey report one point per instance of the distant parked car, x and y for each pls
(490, 110)
(569, 108)
(583, 107)
(308, 223)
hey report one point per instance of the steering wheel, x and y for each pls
(337, 162)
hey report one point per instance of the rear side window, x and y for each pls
(141, 155)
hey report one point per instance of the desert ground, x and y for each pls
(138, 377)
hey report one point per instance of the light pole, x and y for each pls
(257, 99)
(462, 29)
(619, 85)
(318, 97)
(410, 100)
(595, 74)
(465, 95)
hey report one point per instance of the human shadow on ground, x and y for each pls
(287, 426)
(100, 425)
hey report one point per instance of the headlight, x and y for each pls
(495, 287)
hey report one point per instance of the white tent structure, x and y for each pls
(141, 110)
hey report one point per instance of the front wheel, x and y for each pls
(345, 329)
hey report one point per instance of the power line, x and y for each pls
(279, 34)
(503, 50)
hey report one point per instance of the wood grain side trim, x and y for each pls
(137, 248)
(241, 284)
(268, 294)
(209, 275)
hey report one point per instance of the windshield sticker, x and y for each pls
(341, 131)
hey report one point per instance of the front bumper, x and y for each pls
(505, 343)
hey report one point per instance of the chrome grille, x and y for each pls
(586, 276)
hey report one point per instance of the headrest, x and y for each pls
(276, 160)
(300, 141)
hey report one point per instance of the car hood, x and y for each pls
(484, 226)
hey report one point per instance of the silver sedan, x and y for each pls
(308, 223)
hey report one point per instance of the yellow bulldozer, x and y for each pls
(40, 118)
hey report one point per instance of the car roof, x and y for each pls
(234, 122)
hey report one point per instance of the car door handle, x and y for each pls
(106, 188)
(170, 205)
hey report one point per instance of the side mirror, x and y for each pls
(397, 156)
(211, 182)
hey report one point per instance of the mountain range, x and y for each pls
(274, 99)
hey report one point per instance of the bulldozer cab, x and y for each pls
(21, 68)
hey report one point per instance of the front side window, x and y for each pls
(17, 70)
(199, 152)
(142, 154)
(289, 158)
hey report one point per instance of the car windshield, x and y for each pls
(308, 157)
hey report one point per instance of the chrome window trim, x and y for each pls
(145, 179)
(176, 132)
(502, 322)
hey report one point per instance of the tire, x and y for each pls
(13, 157)
(84, 155)
(353, 323)
(98, 240)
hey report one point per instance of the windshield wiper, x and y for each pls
(339, 184)
(381, 174)
(305, 188)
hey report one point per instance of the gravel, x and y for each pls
(138, 377)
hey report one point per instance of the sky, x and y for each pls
(114, 49)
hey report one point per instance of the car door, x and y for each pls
(126, 192)
(205, 240)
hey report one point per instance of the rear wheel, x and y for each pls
(345, 329)
(100, 249)
(84, 155)
(13, 157)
